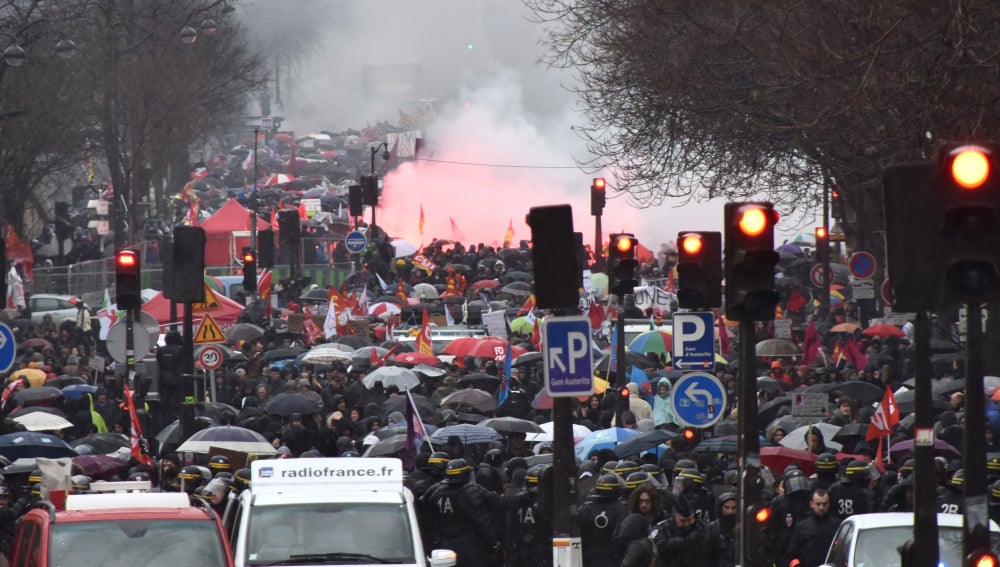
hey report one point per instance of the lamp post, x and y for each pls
(253, 211)
(384, 146)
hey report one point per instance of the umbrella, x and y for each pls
(884, 330)
(365, 353)
(518, 289)
(522, 325)
(906, 401)
(401, 378)
(286, 404)
(101, 467)
(353, 341)
(65, 380)
(415, 358)
(792, 249)
(280, 354)
(850, 433)
(491, 347)
(779, 457)
(41, 421)
(35, 343)
(403, 248)
(385, 309)
(424, 291)
(631, 359)
(31, 444)
(512, 425)
(460, 346)
(941, 346)
(216, 411)
(278, 179)
(328, 353)
(171, 434)
(636, 445)
(768, 383)
(899, 450)
(603, 439)
(527, 358)
(862, 392)
(579, 432)
(653, 341)
(102, 443)
(228, 437)
(768, 411)
(429, 371)
(34, 376)
(244, 332)
(466, 433)
(387, 447)
(777, 347)
(485, 284)
(77, 391)
(727, 444)
(425, 406)
(472, 397)
(797, 439)
(844, 328)
(479, 380)
(37, 394)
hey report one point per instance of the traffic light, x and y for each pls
(369, 190)
(686, 440)
(188, 265)
(128, 280)
(981, 558)
(598, 197)
(969, 189)
(554, 256)
(355, 201)
(265, 248)
(822, 246)
(750, 261)
(64, 225)
(699, 270)
(622, 265)
(249, 271)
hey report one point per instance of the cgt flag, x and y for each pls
(423, 341)
(886, 416)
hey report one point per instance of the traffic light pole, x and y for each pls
(749, 444)
(621, 403)
(598, 257)
(925, 531)
(253, 212)
(975, 529)
(566, 547)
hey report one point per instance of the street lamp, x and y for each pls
(372, 182)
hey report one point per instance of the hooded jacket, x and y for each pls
(663, 411)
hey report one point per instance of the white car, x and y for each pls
(61, 307)
(871, 540)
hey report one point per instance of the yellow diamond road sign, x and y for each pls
(209, 332)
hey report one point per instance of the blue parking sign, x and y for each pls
(694, 341)
(568, 357)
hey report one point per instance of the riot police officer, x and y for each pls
(459, 516)
(950, 498)
(852, 495)
(530, 526)
(598, 518)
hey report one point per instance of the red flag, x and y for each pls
(508, 236)
(415, 433)
(420, 228)
(456, 231)
(723, 337)
(886, 416)
(374, 359)
(137, 443)
(265, 285)
(310, 330)
(878, 457)
(796, 301)
(596, 314)
(401, 292)
(423, 341)
(853, 354)
(528, 306)
(838, 352)
(810, 344)
(670, 286)
(339, 300)
(536, 336)
(274, 221)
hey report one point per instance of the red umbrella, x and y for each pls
(460, 346)
(495, 348)
(777, 458)
(278, 179)
(415, 358)
(884, 330)
(283, 138)
(485, 284)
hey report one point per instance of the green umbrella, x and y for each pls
(522, 325)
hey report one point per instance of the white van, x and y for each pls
(330, 511)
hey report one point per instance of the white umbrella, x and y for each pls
(424, 291)
(397, 376)
(328, 353)
(41, 421)
(385, 309)
(404, 248)
(579, 432)
(228, 437)
(796, 439)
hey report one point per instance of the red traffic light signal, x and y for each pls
(622, 264)
(128, 280)
(970, 167)
(624, 392)
(749, 261)
(699, 270)
(249, 256)
(820, 234)
(982, 558)
(599, 183)
(598, 197)
(249, 271)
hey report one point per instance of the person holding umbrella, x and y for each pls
(663, 413)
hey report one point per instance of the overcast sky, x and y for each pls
(503, 121)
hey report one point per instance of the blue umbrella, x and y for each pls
(77, 391)
(603, 439)
(29, 444)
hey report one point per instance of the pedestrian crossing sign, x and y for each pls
(209, 332)
(211, 302)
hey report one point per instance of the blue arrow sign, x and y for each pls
(694, 341)
(355, 241)
(698, 399)
(8, 348)
(569, 363)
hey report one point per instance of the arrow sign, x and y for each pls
(569, 362)
(700, 399)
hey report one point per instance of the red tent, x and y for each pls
(222, 247)
(225, 311)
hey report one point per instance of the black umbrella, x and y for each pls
(527, 358)
(906, 402)
(387, 447)
(400, 347)
(27, 444)
(280, 354)
(643, 441)
(768, 411)
(947, 388)
(244, 332)
(631, 359)
(481, 381)
(941, 346)
(216, 411)
(512, 425)
(37, 409)
(170, 436)
(471, 397)
(353, 341)
(862, 392)
(425, 406)
(102, 442)
(768, 383)
(851, 432)
(37, 394)
(287, 404)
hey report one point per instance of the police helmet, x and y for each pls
(796, 481)
(609, 467)
(216, 490)
(684, 464)
(438, 462)
(199, 493)
(636, 479)
(654, 471)
(993, 464)
(534, 475)
(35, 477)
(827, 463)
(219, 463)
(457, 471)
(609, 483)
(908, 466)
(190, 477)
(139, 475)
(493, 457)
(857, 469)
(80, 483)
(241, 479)
(691, 475)
(995, 490)
(958, 479)
(36, 490)
(625, 468)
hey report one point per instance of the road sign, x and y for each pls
(694, 340)
(355, 241)
(209, 332)
(863, 289)
(569, 363)
(816, 275)
(210, 357)
(698, 399)
(152, 326)
(862, 265)
(886, 291)
(116, 341)
(211, 302)
(8, 348)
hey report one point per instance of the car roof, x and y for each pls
(188, 514)
(52, 296)
(905, 519)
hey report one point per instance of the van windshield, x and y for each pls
(127, 543)
(877, 547)
(336, 531)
